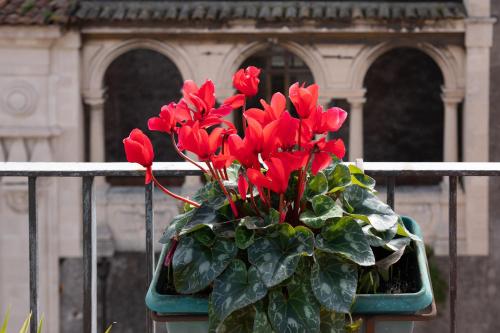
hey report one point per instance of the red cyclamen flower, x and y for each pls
(138, 149)
(169, 116)
(321, 122)
(247, 81)
(198, 141)
(304, 98)
(322, 157)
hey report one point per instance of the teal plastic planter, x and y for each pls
(168, 307)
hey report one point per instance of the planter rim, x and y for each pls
(404, 303)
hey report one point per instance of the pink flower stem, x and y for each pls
(281, 207)
(181, 154)
(224, 190)
(252, 200)
(244, 120)
(170, 253)
(176, 196)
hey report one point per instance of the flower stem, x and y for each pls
(176, 196)
(223, 188)
(184, 156)
(281, 207)
(252, 200)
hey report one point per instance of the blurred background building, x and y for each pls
(77, 75)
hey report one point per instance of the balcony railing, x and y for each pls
(87, 171)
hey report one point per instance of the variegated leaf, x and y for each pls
(334, 282)
(236, 288)
(346, 237)
(196, 265)
(277, 254)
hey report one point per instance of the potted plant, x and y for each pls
(283, 237)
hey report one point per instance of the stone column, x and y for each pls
(95, 103)
(478, 40)
(356, 127)
(451, 98)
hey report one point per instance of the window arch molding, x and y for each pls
(96, 69)
(442, 56)
(239, 53)
(93, 81)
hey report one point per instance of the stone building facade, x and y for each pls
(61, 83)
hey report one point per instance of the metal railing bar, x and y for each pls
(33, 253)
(452, 234)
(150, 254)
(89, 258)
(64, 169)
(391, 185)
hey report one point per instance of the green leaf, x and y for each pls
(255, 222)
(379, 238)
(277, 254)
(402, 231)
(26, 324)
(354, 327)
(206, 215)
(297, 311)
(338, 178)
(399, 245)
(346, 237)
(244, 237)
(40, 326)
(251, 319)
(324, 208)
(236, 288)
(108, 330)
(334, 282)
(369, 208)
(204, 235)
(210, 194)
(3, 329)
(332, 322)
(359, 178)
(196, 265)
(176, 226)
(316, 185)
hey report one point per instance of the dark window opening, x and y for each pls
(403, 115)
(138, 83)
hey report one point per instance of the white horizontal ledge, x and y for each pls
(81, 169)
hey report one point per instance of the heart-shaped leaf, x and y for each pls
(206, 215)
(334, 282)
(277, 254)
(338, 178)
(399, 246)
(196, 265)
(359, 178)
(324, 208)
(379, 238)
(176, 226)
(236, 288)
(346, 237)
(251, 319)
(244, 237)
(367, 207)
(297, 311)
(316, 185)
(210, 194)
(402, 231)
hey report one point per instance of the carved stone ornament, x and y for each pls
(16, 197)
(19, 98)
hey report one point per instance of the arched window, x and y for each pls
(280, 69)
(137, 84)
(403, 113)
